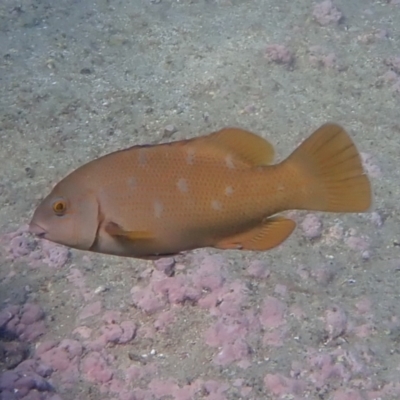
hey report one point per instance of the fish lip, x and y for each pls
(37, 230)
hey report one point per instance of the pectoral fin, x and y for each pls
(117, 231)
(270, 234)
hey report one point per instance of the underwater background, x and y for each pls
(316, 318)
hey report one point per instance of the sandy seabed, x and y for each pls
(316, 318)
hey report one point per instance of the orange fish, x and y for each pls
(218, 190)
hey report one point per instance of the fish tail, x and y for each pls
(328, 171)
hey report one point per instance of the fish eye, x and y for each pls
(59, 207)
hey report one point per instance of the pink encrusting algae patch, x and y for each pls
(108, 348)
(62, 357)
(311, 226)
(21, 244)
(25, 378)
(279, 385)
(23, 322)
(322, 58)
(393, 75)
(279, 54)
(313, 229)
(326, 13)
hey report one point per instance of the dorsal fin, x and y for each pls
(244, 145)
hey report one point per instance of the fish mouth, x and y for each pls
(37, 230)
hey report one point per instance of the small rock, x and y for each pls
(170, 130)
(85, 71)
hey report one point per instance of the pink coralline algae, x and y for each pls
(272, 319)
(370, 165)
(341, 374)
(319, 57)
(62, 357)
(209, 288)
(237, 334)
(335, 322)
(164, 290)
(357, 243)
(327, 369)
(393, 75)
(279, 54)
(78, 281)
(258, 269)
(23, 322)
(90, 310)
(22, 245)
(321, 371)
(113, 332)
(280, 385)
(326, 13)
(96, 369)
(211, 390)
(311, 226)
(206, 286)
(66, 358)
(272, 313)
(28, 380)
(230, 336)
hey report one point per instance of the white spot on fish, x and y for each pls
(281, 187)
(228, 190)
(229, 162)
(132, 182)
(158, 208)
(190, 156)
(142, 157)
(182, 185)
(216, 205)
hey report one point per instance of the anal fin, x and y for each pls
(270, 234)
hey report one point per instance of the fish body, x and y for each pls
(218, 190)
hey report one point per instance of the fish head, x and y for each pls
(69, 215)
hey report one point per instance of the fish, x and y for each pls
(221, 190)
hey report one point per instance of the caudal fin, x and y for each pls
(331, 175)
